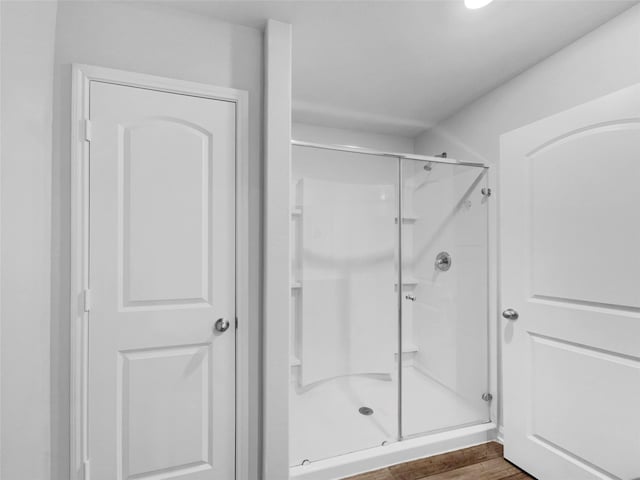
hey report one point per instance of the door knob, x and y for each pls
(221, 325)
(443, 261)
(510, 314)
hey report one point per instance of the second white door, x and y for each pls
(570, 235)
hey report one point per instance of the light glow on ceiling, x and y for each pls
(475, 4)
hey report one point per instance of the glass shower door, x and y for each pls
(344, 303)
(445, 299)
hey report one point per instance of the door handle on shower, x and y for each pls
(410, 297)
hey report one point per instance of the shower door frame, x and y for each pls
(492, 300)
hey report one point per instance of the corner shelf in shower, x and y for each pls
(408, 282)
(407, 219)
(294, 361)
(409, 347)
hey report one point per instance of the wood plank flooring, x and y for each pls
(482, 462)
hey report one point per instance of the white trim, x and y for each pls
(82, 75)
(1, 216)
(277, 184)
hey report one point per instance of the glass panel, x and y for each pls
(444, 311)
(344, 303)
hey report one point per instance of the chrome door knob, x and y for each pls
(510, 314)
(221, 325)
(443, 261)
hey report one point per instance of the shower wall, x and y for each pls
(336, 189)
(344, 274)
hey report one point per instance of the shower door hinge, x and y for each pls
(487, 397)
(87, 129)
(87, 300)
(236, 323)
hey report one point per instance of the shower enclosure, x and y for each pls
(389, 300)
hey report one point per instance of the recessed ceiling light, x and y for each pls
(475, 4)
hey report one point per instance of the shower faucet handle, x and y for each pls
(410, 297)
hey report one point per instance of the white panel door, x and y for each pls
(570, 240)
(161, 388)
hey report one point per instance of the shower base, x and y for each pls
(328, 428)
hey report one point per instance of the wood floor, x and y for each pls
(482, 462)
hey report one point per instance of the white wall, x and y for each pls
(358, 138)
(601, 62)
(152, 39)
(28, 32)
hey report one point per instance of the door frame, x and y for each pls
(82, 75)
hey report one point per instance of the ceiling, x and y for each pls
(400, 67)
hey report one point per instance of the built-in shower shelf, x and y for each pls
(296, 285)
(407, 219)
(408, 282)
(296, 211)
(408, 347)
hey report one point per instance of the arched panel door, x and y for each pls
(570, 267)
(161, 370)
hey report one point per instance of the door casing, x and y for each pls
(82, 76)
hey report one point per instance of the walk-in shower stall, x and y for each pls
(389, 300)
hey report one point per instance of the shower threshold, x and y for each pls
(406, 450)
